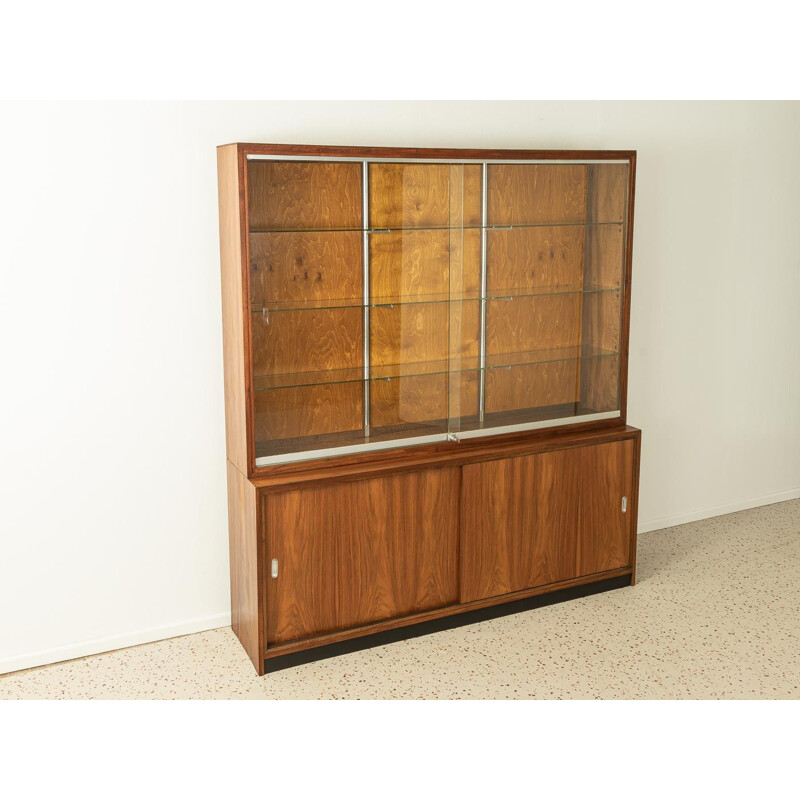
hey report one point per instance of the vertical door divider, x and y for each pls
(365, 259)
(482, 339)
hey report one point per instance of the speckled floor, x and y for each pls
(715, 614)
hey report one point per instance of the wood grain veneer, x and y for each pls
(359, 552)
(308, 411)
(419, 195)
(607, 474)
(545, 518)
(513, 535)
(525, 194)
(305, 267)
(533, 258)
(247, 585)
(234, 331)
(314, 195)
(317, 340)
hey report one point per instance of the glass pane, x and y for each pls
(423, 299)
(414, 253)
(307, 346)
(554, 279)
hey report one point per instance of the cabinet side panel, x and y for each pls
(244, 539)
(233, 336)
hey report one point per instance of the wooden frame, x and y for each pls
(250, 485)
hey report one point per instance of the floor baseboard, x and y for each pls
(91, 647)
(717, 511)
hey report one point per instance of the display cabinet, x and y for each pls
(425, 374)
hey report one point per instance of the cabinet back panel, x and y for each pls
(424, 398)
(413, 263)
(303, 194)
(533, 385)
(305, 266)
(525, 194)
(307, 411)
(424, 195)
(533, 323)
(531, 258)
(419, 332)
(307, 341)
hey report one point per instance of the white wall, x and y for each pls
(112, 490)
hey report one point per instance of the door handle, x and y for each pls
(624, 505)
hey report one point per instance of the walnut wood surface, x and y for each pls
(524, 194)
(445, 153)
(518, 523)
(300, 533)
(234, 342)
(246, 585)
(305, 266)
(438, 613)
(467, 451)
(398, 545)
(607, 473)
(355, 552)
(307, 195)
(544, 518)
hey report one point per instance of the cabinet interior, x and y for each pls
(402, 299)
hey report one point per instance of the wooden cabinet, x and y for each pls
(425, 384)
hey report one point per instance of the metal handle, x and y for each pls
(451, 437)
(624, 505)
(274, 567)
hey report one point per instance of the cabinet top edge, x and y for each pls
(450, 454)
(345, 151)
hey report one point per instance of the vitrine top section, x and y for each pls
(456, 155)
(395, 297)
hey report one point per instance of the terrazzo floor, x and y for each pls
(715, 614)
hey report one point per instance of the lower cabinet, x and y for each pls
(342, 554)
(545, 518)
(360, 551)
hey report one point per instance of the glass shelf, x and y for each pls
(497, 227)
(420, 368)
(398, 300)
